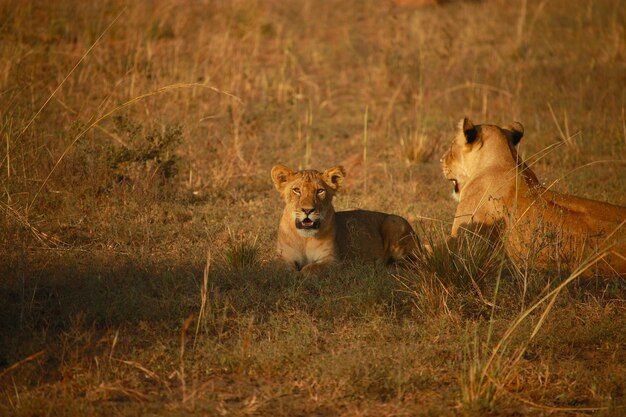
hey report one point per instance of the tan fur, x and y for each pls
(501, 196)
(353, 234)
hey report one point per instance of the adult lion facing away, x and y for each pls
(501, 197)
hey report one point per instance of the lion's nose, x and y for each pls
(308, 211)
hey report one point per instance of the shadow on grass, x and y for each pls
(47, 294)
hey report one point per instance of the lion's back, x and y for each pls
(373, 235)
(358, 234)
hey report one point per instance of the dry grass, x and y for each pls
(138, 137)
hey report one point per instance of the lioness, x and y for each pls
(499, 193)
(312, 235)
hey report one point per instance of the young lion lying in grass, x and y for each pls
(499, 195)
(311, 235)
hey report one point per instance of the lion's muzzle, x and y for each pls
(307, 224)
(311, 220)
(455, 183)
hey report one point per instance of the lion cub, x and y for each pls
(312, 235)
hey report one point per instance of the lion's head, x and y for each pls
(477, 149)
(308, 195)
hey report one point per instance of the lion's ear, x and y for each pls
(469, 130)
(334, 176)
(280, 175)
(517, 132)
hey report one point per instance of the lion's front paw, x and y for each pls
(314, 270)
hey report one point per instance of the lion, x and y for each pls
(312, 235)
(499, 196)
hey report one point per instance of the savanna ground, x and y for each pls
(138, 215)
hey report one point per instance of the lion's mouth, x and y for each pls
(307, 224)
(455, 184)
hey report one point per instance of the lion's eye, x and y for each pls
(296, 191)
(320, 191)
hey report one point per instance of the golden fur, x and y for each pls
(501, 196)
(312, 235)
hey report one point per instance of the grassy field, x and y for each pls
(138, 218)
